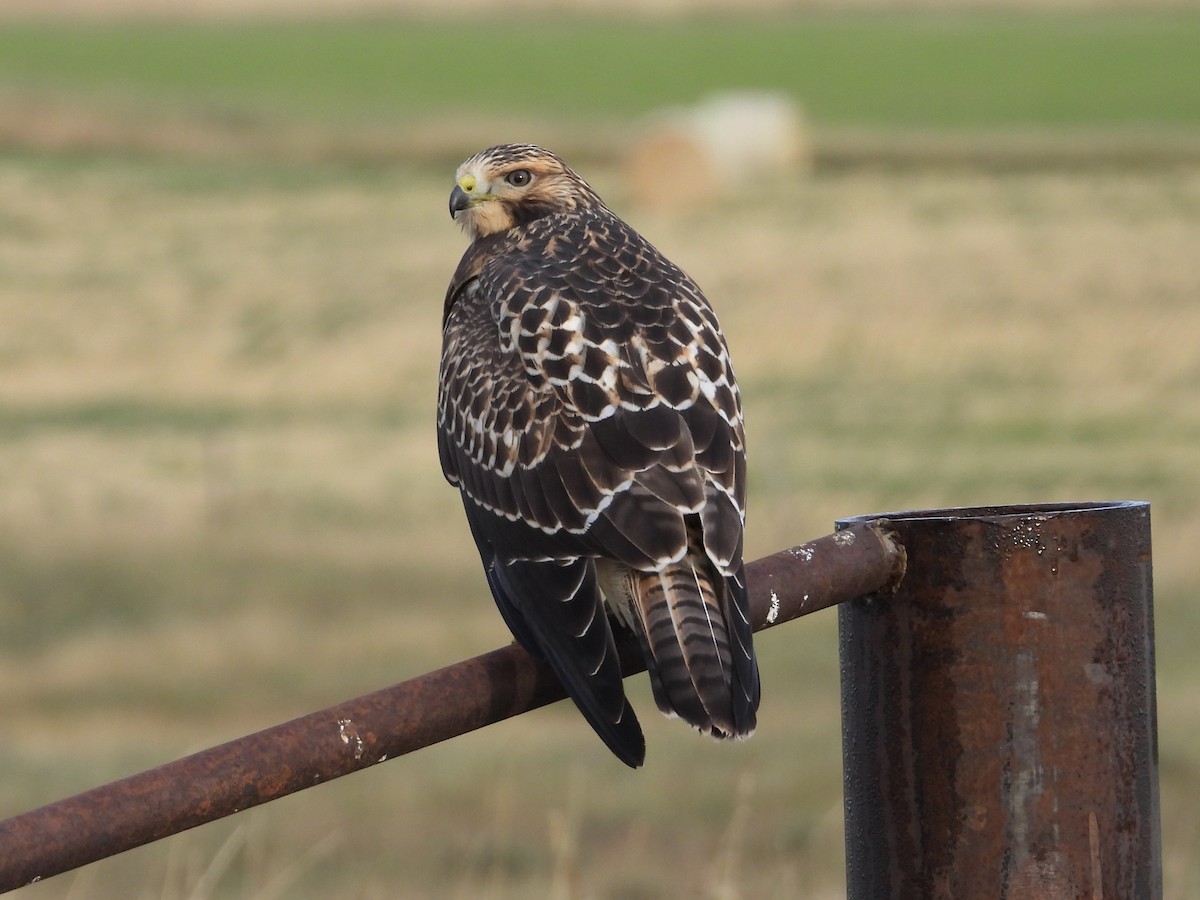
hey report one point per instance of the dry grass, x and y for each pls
(222, 506)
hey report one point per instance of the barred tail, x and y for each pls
(698, 646)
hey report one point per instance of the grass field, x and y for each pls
(221, 505)
(913, 70)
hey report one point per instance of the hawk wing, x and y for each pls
(587, 410)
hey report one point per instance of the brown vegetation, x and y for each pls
(222, 504)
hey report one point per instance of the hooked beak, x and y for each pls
(459, 200)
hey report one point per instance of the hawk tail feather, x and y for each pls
(697, 646)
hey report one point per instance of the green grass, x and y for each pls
(928, 70)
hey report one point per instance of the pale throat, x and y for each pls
(481, 219)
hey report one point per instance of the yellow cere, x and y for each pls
(467, 183)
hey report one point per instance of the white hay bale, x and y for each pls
(687, 156)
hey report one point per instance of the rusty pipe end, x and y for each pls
(998, 711)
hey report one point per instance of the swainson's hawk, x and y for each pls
(588, 413)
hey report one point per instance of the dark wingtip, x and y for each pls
(623, 737)
(591, 675)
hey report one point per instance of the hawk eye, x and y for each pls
(519, 177)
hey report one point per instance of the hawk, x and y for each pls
(588, 414)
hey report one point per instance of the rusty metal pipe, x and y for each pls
(388, 723)
(998, 712)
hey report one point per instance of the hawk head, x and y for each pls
(512, 184)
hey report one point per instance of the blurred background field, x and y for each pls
(223, 251)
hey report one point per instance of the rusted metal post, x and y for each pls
(998, 712)
(360, 733)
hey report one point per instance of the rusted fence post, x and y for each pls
(998, 711)
(360, 733)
